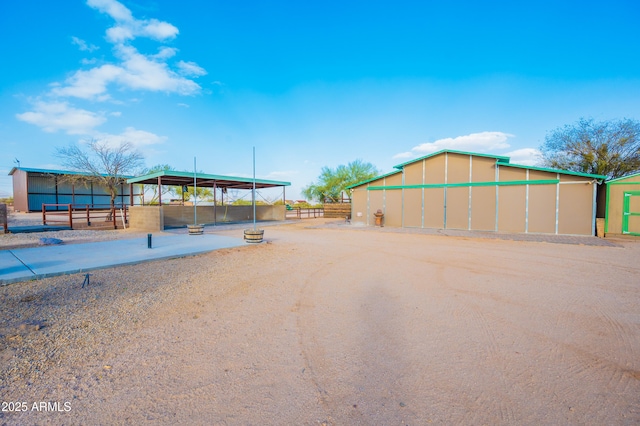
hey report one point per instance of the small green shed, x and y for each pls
(622, 214)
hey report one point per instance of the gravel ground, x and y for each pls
(326, 324)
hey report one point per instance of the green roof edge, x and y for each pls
(59, 172)
(204, 176)
(453, 151)
(544, 169)
(623, 177)
(375, 178)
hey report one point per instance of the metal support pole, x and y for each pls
(195, 194)
(253, 192)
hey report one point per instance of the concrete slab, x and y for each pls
(39, 262)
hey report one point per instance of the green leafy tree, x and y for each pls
(610, 148)
(333, 182)
(165, 190)
(202, 192)
(105, 163)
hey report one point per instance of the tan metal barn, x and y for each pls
(622, 214)
(464, 190)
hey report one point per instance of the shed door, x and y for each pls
(631, 213)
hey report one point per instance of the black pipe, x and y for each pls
(148, 240)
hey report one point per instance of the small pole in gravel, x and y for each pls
(148, 240)
(86, 280)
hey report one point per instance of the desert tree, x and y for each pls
(105, 164)
(333, 182)
(610, 148)
(158, 189)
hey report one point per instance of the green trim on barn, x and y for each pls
(452, 151)
(544, 169)
(626, 213)
(614, 181)
(467, 184)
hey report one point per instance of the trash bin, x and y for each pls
(379, 216)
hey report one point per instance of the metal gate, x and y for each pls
(631, 213)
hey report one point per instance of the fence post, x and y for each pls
(70, 216)
(44, 214)
(87, 211)
(113, 217)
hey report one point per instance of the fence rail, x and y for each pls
(84, 215)
(301, 213)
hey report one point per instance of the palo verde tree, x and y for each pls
(332, 182)
(106, 164)
(157, 189)
(610, 148)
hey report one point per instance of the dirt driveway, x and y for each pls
(335, 326)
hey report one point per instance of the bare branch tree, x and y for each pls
(105, 163)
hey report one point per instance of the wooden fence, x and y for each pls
(77, 216)
(337, 210)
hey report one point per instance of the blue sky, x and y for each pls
(309, 84)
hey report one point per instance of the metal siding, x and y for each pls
(81, 189)
(542, 209)
(36, 201)
(41, 184)
(457, 169)
(434, 208)
(20, 198)
(376, 202)
(511, 206)
(359, 205)
(413, 208)
(393, 208)
(101, 200)
(413, 174)
(393, 180)
(511, 174)
(458, 207)
(483, 169)
(434, 170)
(575, 209)
(483, 208)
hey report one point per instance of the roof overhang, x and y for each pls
(174, 178)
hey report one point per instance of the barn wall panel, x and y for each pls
(511, 208)
(483, 208)
(542, 209)
(575, 215)
(434, 208)
(458, 208)
(413, 208)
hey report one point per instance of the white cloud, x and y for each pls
(55, 116)
(82, 45)
(137, 138)
(127, 27)
(136, 72)
(183, 105)
(277, 175)
(482, 142)
(142, 73)
(477, 142)
(165, 53)
(91, 84)
(407, 154)
(191, 69)
(525, 156)
(112, 8)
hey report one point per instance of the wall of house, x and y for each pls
(20, 199)
(615, 205)
(470, 192)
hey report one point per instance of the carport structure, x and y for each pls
(182, 179)
(165, 215)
